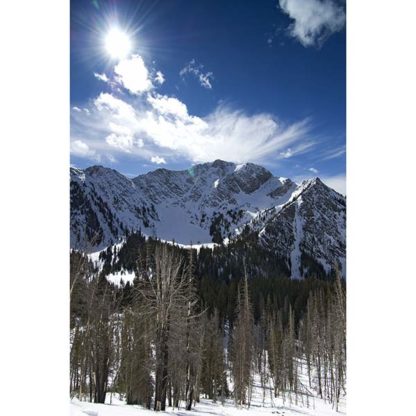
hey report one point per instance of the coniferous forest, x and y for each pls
(205, 323)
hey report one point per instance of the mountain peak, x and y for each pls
(99, 169)
(210, 202)
(312, 181)
(218, 163)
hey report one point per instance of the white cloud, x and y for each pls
(81, 149)
(205, 80)
(159, 78)
(158, 160)
(313, 170)
(168, 105)
(125, 143)
(102, 77)
(195, 69)
(122, 142)
(75, 108)
(314, 20)
(119, 129)
(118, 108)
(166, 128)
(133, 75)
(337, 182)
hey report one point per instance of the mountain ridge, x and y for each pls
(212, 202)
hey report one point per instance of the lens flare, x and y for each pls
(117, 43)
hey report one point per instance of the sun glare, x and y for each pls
(117, 44)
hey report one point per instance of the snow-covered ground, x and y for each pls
(260, 406)
(317, 407)
(117, 277)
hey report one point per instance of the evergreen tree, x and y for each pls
(242, 357)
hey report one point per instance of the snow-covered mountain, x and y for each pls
(309, 229)
(208, 203)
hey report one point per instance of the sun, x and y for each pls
(117, 43)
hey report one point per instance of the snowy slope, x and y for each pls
(317, 407)
(172, 205)
(212, 202)
(261, 405)
(104, 204)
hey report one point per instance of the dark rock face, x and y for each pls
(247, 179)
(304, 224)
(310, 227)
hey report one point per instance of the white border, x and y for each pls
(34, 303)
(380, 211)
(34, 71)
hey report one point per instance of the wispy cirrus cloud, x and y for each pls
(298, 149)
(314, 20)
(195, 69)
(333, 153)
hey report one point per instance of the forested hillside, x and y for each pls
(202, 323)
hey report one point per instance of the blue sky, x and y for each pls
(243, 81)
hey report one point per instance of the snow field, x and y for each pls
(263, 403)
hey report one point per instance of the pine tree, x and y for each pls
(243, 347)
(213, 377)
